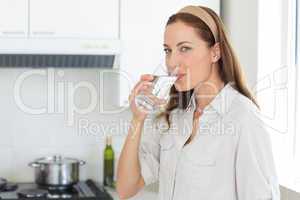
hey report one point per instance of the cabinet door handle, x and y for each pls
(13, 32)
(43, 32)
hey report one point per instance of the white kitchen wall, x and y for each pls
(240, 18)
(25, 137)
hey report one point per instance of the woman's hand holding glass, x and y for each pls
(143, 88)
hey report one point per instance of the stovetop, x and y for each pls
(88, 190)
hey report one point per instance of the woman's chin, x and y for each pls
(181, 87)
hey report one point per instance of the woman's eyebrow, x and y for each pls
(180, 43)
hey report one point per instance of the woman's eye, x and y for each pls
(184, 49)
(167, 51)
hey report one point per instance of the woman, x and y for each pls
(214, 146)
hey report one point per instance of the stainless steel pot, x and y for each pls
(56, 171)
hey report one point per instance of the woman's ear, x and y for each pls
(216, 52)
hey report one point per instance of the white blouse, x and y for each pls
(230, 157)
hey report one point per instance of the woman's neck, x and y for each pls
(206, 92)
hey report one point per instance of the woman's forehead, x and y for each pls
(178, 32)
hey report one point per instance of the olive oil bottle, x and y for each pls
(108, 172)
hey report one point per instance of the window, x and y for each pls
(277, 88)
(297, 105)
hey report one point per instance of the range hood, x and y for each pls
(60, 33)
(59, 52)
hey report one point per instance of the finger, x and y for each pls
(130, 97)
(140, 86)
(143, 87)
(146, 89)
(155, 100)
(143, 108)
(141, 83)
(147, 77)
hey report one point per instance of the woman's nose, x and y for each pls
(173, 65)
(172, 70)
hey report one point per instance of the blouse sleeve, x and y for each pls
(256, 177)
(149, 152)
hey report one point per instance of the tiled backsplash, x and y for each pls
(25, 137)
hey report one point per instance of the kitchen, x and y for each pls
(67, 68)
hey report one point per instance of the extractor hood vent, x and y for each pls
(52, 60)
(47, 52)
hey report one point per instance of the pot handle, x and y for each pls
(34, 164)
(81, 162)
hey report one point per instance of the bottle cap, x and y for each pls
(108, 140)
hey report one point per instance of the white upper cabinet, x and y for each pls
(74, 18)
(142, 29)
(13, 18)
(88, 19)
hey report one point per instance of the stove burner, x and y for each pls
(10, 187)
(61, 193)
(3, 183)
(32, 193)
(82, 190)
(59, 196)
(57, 188)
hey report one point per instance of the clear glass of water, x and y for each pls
(162, 83)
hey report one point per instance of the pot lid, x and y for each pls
(56, 159)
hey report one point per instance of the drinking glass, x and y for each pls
(162, 83)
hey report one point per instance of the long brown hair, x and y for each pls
(230, 68)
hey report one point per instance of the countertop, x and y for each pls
(145, 194)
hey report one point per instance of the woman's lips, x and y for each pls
(180, 76)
